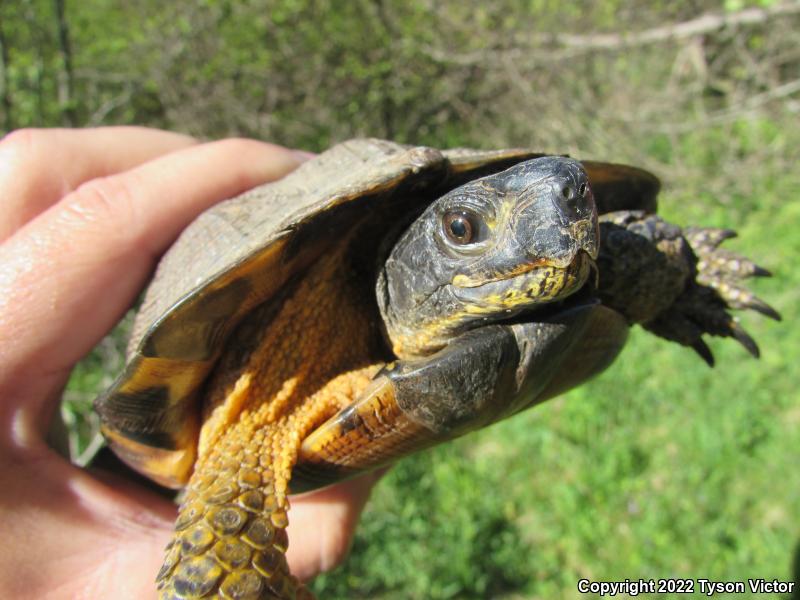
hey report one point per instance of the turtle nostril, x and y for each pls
(582, 190)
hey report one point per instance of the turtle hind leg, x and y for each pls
(230, 536)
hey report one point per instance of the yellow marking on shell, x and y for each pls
(312, 359)
(170, 468)
(180, 377)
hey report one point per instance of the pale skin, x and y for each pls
(85, 216)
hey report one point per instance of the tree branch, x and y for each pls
(701, 25)
(562, 45)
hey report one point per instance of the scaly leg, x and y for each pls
(677, 283)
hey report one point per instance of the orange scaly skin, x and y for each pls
(311, 360)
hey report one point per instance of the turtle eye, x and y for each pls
(582, 190)
(461, 227)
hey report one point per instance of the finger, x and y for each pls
(68, 275)
(69, 535)
(40, 166)
(322, 524)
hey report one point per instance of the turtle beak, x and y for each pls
(557, 219)
(587, 233)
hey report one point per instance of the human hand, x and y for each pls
(86, 215)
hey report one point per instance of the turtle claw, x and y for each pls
(708, 237)
(701, 310)
(738, 297)
(765, 309)
(717, 288)
(758, 271)
(741, 336)
(704, 351)
(758, 305)
(723, 271)
(721, 263)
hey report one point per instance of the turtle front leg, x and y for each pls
(482, 376)
(677, 283)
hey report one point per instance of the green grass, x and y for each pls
(659, 468)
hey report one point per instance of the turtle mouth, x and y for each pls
(520, 270)
(537, 295)
(585, 296)
(532, 290)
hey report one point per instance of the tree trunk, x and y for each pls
(5, 91)
(66, 78)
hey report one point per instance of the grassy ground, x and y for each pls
(659, 468)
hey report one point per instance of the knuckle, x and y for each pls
(24, 147)
(105, 203)
(257, 161)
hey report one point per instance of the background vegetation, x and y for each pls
(659, 468)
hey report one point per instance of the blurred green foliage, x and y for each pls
(661, 467)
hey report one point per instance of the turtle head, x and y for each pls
(487, 251)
